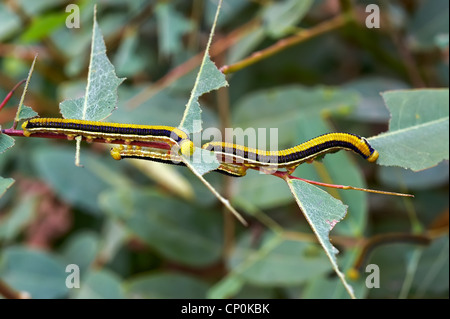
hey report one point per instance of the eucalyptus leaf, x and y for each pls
(322, 212)
(9, 22)
(102, 284)
(277, 262)
(80, 186)
(5, 142)
(208, 78)
(21, 215)
(100, 97)
(81, 249)
(26, 112)
(38, 273)
(171, 27)
(178, 231)
(166, 286)
(418, 136)
(428, 23)
(280, 17)
(5, 183)
(43, 26)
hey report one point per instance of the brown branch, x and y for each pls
(283, 44)
(390, 238)
(23, 52)
(8, 293)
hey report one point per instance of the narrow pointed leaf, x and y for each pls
(323, 212)
(26, 112)
(5, 183)
(418, 136)
(208, 78)
(101, 90)
(5, 142)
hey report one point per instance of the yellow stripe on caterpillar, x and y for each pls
(296, 155)
(111, 131)
(168, 157)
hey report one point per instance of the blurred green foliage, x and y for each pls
(130, 231)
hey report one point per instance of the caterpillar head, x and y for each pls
(186, 148)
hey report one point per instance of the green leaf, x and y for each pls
(208, 78)
(5, 142)
(40, 274)
(261, 191)
(340, 169)
(79, 186)
(180, 232)
(128, 60)
(42, 26)
(280, 17)
(101, 284)
(418, 130)
(432, 274)
(5, 183)
(323, 212)
(327, 287)
(113, 237)
(26, 112)
(227, 13)
(203, 161)
(13, 223)
(34, 8)
(245, 45)
(171, 27)
(166, 286)
(226, 288)
(81, 250)
(277, 262)
(428, 23)
(398, 178)
(9, 22)
(257, 292)
(101, 90)
(371, 107)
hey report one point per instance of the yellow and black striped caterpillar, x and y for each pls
(234, 159)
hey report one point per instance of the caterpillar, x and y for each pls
(110, 131)
(235, 159)
(167, 157)
(294, 156)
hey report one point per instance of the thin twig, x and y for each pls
(283, 44)
(285, 175)
(8, 293)
(9, 95)
(389, 238)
